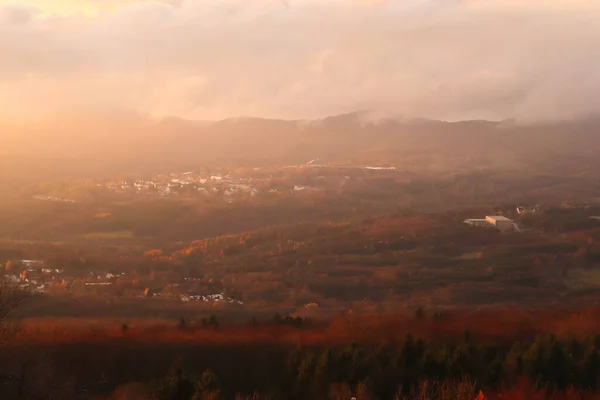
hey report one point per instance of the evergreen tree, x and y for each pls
(591, 370)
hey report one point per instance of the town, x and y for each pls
(35, 277)
(229, 185)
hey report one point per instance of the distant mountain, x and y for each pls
(121, 140)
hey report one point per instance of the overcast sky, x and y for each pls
(211, 59)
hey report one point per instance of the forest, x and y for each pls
(495, 354)
(324, 282)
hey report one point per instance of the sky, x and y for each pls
(300, 59)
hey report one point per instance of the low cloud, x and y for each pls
(210, 59)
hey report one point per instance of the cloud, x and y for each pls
(17, 14)
(204, 59)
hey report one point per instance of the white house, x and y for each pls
(493, 221)
(500, 222)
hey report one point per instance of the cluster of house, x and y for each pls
(193, 297)
(211, 184)
(209, 298)
(36, 277)
(102, 278)
(188, 182)
(33, 275)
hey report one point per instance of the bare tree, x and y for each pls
(28, 374)
(11, 297)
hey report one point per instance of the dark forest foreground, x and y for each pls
(429, 355)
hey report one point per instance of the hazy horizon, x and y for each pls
(213, 60)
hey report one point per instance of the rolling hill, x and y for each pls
(107, 142)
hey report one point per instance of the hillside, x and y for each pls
(407, 261)
(386, 264)
(132, 141)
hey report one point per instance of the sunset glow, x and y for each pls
(300, 59)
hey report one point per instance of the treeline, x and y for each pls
(410, 368)
(556, 219)
(389, 372)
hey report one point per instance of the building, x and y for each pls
(526, 210)
(500, 222)
(481, 222)
(493, 221)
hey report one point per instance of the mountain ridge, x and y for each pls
(136, 142)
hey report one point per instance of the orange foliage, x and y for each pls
(375, 328)
(525, 390)
(154, 253)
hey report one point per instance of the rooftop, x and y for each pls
(499, 218)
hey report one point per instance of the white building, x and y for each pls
(481, 222)
(493, 221)
(500, 222)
